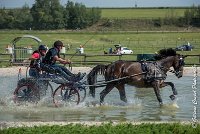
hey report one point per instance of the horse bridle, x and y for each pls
(180, 63)
(176, 71)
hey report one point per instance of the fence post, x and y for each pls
(11, 60)
(84, 60)
(199, 58)
(120, 56)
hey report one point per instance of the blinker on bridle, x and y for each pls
(180, 63)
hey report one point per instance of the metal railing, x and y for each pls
(92, 59)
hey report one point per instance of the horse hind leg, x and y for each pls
(122, 92)
(103, 93)
(92, 92)
(155, 85)
(92, 80)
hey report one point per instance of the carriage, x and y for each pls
(30, 89)
(117, 74)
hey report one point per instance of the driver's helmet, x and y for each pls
(58, 43)
(42, 47)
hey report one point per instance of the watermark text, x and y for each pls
(194, 100)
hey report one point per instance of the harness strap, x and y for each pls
(122, 78)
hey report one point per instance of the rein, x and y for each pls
(99, 84)
(170, 70)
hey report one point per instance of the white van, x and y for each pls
(125, 50)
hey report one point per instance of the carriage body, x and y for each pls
(32, 89)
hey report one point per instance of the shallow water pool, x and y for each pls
(142, 105)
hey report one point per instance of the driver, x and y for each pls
(49, 63)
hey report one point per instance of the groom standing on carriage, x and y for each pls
(36, 59)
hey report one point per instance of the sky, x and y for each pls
(109, 3)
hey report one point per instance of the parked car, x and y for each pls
(125, 50)
(184, 47)
(122, 50)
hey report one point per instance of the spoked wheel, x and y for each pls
(26, 93)
(45, 88)
(64, 95)
(50, 88)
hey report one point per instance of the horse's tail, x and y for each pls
(92, 77)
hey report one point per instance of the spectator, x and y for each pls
(81, 49)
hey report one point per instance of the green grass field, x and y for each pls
(135, 13)
(174, 128)
(97, 43)
(145, 42)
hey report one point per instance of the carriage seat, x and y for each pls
(54, 77)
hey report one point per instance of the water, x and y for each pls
(142, 105)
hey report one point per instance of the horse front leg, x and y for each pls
(92, 92)
(122, 92)
(155, 85)
(103, 93)
(172, 97)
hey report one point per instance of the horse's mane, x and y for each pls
(163, 53)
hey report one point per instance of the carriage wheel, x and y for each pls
(26, 93)
(64, 95)
(44, 88)
(51, 89)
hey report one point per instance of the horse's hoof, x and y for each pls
(172, 97)
(175, 92)
(161, 104)
(101, 103)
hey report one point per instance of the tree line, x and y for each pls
(49, 15)
(191, 18)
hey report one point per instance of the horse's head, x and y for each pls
(178, 65)
(172, 59)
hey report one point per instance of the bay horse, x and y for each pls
(139, 74)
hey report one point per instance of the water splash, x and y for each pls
(172, 105)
